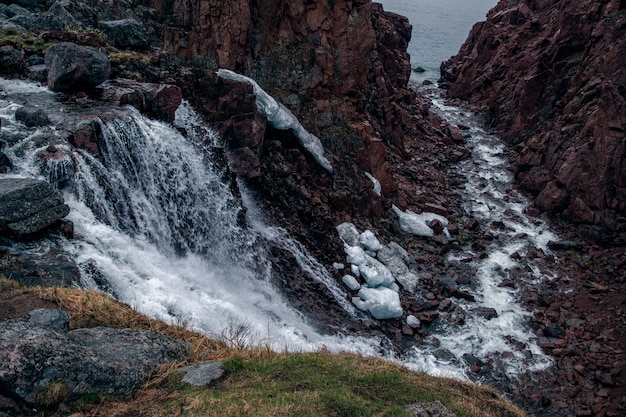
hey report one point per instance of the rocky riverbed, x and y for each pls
(352, 93)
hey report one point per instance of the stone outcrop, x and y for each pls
(39, 349)
(29, 205)
(551, 76)
(74, 67)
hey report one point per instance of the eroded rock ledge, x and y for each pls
(551, 75)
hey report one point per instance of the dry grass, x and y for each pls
(52, 393)
(261, 382)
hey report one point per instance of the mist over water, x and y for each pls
(439, 29)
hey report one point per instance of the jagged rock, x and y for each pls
(73, 67)
(126, 33)
(29, 205)
(487, 313)
(551, 75)
(32, 116)
(158, 101)
(37, 349)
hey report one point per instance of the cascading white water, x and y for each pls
(489, 197)
(158, 226)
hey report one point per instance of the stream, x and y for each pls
(158, 227)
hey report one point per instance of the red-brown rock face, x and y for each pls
(342, 68)
(551, 73)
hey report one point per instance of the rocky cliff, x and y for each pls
(550, 74)
(342, 68)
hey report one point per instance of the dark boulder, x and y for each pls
(28, 205)
(565, 245)
(37, 349)
(73, 67)
(12, 60)
(158, 101)
(126, 33)
(32, 116)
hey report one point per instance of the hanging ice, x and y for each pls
(280, 117)
(377, 187)
(417, 224)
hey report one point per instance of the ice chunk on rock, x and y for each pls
(417, 224)
(382, 303)
(351, 282)
(369, 241)
(377, 187)
(355, 255)
(375, 273)
(280, 117)
(348, 233)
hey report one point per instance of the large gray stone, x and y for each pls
(73, 67)
(203, 374)
(126, 33)
(28, 205)
(37, 349)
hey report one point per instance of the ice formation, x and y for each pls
(379, 267)
(418, 224)
(280, 117)
(377, 188)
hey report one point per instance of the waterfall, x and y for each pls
(159, 224)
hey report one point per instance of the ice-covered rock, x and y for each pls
(280, 117)
(351, 282)
(348, 233)
(375, 273)
(418, 224)
(382, 303)
(338, 266)
(413, 321)
(355, 255)
(355, 270)
(369, 241)
(377, 187)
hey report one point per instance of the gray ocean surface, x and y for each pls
(439, 28)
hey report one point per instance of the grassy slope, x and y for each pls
(261, 382)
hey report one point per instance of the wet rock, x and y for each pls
(73, 67)
(158, 101)
(32, 116)
(554, 331)
(565, 245)
(487, 313)
(28, 205)
(37, 349)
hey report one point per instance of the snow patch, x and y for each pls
(280, 117)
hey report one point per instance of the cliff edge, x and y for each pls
(550, 74)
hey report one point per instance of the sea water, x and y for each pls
(439, 29)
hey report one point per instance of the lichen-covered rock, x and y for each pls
(126, 33)
(29, 205)
(38, 349)
(73, 67)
